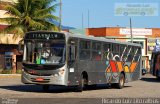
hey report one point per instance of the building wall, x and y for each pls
(3, 13)
(96, 31)
(9, 56)
(155, 33)
(112, 31)
(115, 31)
(2, 61)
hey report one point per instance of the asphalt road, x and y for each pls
(11, 89)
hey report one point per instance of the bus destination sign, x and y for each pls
(44, 35)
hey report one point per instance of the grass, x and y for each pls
(6, 72)
(19, 71)
(9, 71)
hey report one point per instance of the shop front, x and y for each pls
(10, 58)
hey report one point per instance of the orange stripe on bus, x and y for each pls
(108, 70)
(133, 66)
(120, 67)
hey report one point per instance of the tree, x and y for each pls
(30, 15)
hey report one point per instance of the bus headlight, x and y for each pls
(56, 75)
(61, 72)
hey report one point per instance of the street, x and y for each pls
(12, 88)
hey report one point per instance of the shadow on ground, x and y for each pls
(54, 89)
(148, 79)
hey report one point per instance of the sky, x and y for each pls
(101, 14)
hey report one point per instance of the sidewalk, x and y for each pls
(10, 76)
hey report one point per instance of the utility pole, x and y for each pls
(88, 18)
(82, 20)
(60, 16)
(131, 30)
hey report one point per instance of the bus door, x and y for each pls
(72, 63)
(72, 55)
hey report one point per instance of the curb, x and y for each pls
(10, 76)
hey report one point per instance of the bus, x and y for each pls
(155, 64)
(62, 58)
(155, 60)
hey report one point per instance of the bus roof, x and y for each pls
(103, 39)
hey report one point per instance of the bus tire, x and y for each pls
(80, 86)
(157, 75)
(45, 88)
(121, 81)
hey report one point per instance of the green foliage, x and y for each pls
(6, 72)
(19, 71)
(9, 71)
(30, 15)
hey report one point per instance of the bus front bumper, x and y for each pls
(56, 79)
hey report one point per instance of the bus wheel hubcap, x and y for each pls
(121, 81)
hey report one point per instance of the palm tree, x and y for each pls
(30, 15)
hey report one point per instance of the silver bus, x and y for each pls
(61, 58)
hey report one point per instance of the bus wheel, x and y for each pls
(45, 88)
(121, 81)
(80, 86)
(157, 75)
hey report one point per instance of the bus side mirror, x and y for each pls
(20, 48)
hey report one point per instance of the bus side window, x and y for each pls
(72, 52)
(122, 52)
(116, 52)
(84, 51)
(96, 51)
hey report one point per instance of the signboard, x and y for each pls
(157, 47)
(44, 35)
(138, 32)
(151, 44)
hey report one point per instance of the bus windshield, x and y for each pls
(44, 52)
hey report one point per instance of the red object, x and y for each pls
(3, 26)
(32, 72)
(39, 79)
(113, 66)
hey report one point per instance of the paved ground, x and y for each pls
(11, 87)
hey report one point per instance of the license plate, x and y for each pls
(39, 79)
